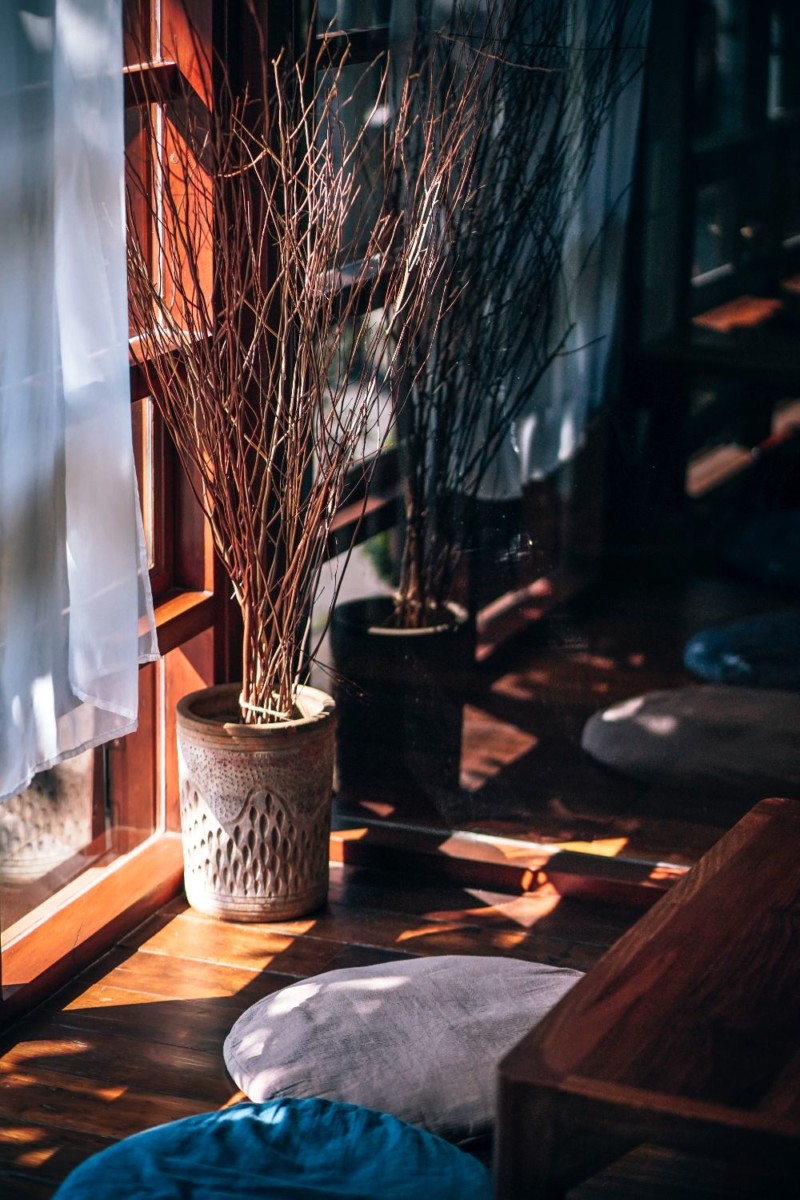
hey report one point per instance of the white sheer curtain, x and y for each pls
(552, 428)
(75, 609)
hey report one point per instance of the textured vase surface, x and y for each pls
(255, 806)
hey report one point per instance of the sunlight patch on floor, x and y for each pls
(352, 835)
(35, 1158)
(42, 1048)
(376, 807)
(489, 746)
(605, 847)
(599, 662)
(12, 1078)
(31, 1154)
(22, 1134)
(485, 848)
(524, 910)
(506, 940)
(520, 687)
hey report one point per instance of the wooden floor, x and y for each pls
(138, 1040)
(524, 775)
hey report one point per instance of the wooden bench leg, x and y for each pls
(540, 1154)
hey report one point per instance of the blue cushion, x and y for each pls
(760, 651)
(281, 1150)
(767, 548)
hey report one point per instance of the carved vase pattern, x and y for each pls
(255, 807)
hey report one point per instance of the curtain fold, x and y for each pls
(76, 614)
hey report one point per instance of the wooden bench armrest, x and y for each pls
(689, 1024)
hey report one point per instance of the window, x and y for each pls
(92, 842)
(119, 855)
(745, 118)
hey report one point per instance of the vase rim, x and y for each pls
(219, 700)
(459, 613)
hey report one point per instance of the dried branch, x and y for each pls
(261, 367)
(497, 314)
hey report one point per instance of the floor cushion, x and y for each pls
(745, 738)
(762, 651)
(419, 1038)
(767, 548)
(298, 1149)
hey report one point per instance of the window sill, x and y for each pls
(45, 950)
(180, 615)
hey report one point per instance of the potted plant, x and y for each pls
(247, 315)
(538, 87)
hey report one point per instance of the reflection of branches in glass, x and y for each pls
(498, 315)
(246, 315)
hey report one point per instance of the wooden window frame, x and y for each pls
(198, 632)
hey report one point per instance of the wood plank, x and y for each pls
(200, 1024)
(480, 859)
(352, 45)
(99, 1055)
(178, 978)
(35, 1158)
(543, 908)
(57, 1100)
(257, 947)
(13, 1183)
(181, 615)
(398, 934)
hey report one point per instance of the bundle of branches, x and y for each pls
(246, 304)
(497, 316)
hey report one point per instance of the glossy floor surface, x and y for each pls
(523, 772)
(137, 1040)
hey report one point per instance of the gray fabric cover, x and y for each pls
(705, 735)
(418, 1038)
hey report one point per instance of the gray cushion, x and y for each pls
(699, 736)
(418, 1038)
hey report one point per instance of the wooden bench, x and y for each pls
(685, 1034)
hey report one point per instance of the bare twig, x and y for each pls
(263, 368)
(522, 92)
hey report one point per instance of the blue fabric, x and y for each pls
(767, 548)
(282, 1150)
(760, 651)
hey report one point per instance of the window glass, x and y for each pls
(712, 231)
(720, 66)
(49, 833)
(352, 14)
(776, 65)
(783, 88)
(790, 194)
